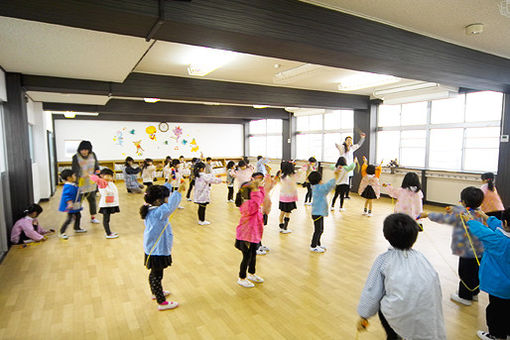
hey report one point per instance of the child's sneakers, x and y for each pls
(180, 207)
(261, 251)
(364, 213)
(308, 203)
(341, 209)
(255, 278)
(332, 208)
(265, 248)
(81, 230)
(369, 214)
(204, 222)
(317, 250)
(455, 297)
(285, 231)
(63, 236)
(167, 305)
(245, 283)
(188, 199)
(112, 235)
(165, 292)
(95, 221)
(485, 335)
(322, 247)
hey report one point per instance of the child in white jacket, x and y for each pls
(202, 194)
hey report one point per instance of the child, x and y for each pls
(27, 228)
(202, 194)
(158, 237)
(148, 172)
(261, 165)
(243, 173)
(208, 165)
(310, 167)
(403, 287)
(166, 168)
(320, 206)
(469, 256)
(409, 196)
(194, 162)
(494, 273)
(70, 203)
(342, 183)
(175, 177)
(109, 201)
(131, 177)
(369, 188)
(491, 204)
(249, 231)
(288, 195)
(230, 181)
(266, 184)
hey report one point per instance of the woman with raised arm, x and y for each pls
(347, 149)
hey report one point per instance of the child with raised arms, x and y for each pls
(288, 194)
(158, 238)
(402, 287)
(342, 183)
(409, 196)
(202, 195)
(369, 187)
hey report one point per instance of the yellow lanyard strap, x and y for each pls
(469, 238)
(159, 237)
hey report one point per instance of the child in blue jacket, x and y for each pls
(320, 192)
(494, 272)
(70, 203)
(158, 237)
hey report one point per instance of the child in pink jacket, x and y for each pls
(27, 228)
(266, 187)
(409, 196)
(250, 229)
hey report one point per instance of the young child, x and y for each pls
(249, 231)
(131, 176)
(403, 287)
(288, 195)
(491, 204)
(342, 183)
(242, 174)
(266, 184)
(109, 201)
(230, 181)
(202, 195)
(166, 168)
(175, 177)
(148, 172)
(194, 162)
(208, 165)
(158, 237)
(261, 165)
(320, 206)
(70, 202)
(409, 196)
(369, 188)
(27, 228)
(309, 168)
(494, 272)
(469, 256)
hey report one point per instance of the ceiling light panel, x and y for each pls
(364, 80)
(204, 60)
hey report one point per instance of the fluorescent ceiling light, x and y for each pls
(205, 60)
(259, 106)
(72, 114)
(151, 100)
(69, 114)
(411, 87)
(294, 74)
(365, 80)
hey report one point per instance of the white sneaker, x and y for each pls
(63, 236)
(265, 248)
(285, 231)
(165, 292)
(308, 203)
(485, 335)
(341, 209)
(180, 207)
(369, 215)
(475, 297)
(188, 199)
(112, 235)
(364, 213)
(261, 251)
(204, 222)
(255, 278)
(167, 305)
(317, 250)
(245, 283)
(95, 221)
(455, 297)
(232, 201)
(81, 230)
(332, 208)
(323, 248)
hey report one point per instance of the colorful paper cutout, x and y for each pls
(151, 131)
(139, 149)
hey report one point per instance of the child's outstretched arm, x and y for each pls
(487, 235)
(378, 171)
(99, 181)
(373, 291)
(364, 167)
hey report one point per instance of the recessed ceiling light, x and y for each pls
(277, 65)
(151, 100)
(365, 80)
(205, 60)
(474, 29)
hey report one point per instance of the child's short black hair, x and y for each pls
(181, 156)
(370, 169)
(230, 164)
(208, 159)
(243, 194)
(32, 208)
(175, 162)
(106, 171)
(341, 161)
(312, 160)
(314, 177)
(259, 158)
(401, 231)
(472, 197)
(411, 179)
(257, 174)
(152, 194)
(129, 159)
(66, 174)
(241, 163)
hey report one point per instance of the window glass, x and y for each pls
(388, 144)
(481, 159)
(257, 126)
(414, 113)
(257, 145)
(388, 115)
(449, 110)
(446, 148)
(274, 147)
(308, 145)
(330, 151)
(347, 119)
(483, 106)
(332, 120)
(315, 122)
(480, 138)
(274, 126)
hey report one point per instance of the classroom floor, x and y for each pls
(89, 287)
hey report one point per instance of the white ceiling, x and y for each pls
(168, 58)
(444, 19)
(73, 98)
(51, 50)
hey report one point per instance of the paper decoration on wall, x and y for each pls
(123, 154)
(176, 148)
(184, 142)
(194, 148)
(139, 149)
(119, 138)
(151, 131)
(177, 132)
(193, 142)
(132, 132)
(163, 127)
(165, 142)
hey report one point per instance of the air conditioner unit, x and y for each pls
(415, 92)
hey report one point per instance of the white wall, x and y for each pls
(3, 88)
(214, 140)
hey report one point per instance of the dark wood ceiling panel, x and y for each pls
(157, 118)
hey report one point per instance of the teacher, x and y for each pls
(85, 164)
(346, 150)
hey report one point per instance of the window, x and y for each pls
(31, 142)
(317, 135)
(463, 132)
(265, 138)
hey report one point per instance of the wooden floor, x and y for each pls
(89, 287)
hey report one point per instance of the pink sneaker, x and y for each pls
(167, 305)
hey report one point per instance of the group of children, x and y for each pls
(402, 287)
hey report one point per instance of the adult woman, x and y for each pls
(347, 151)
(85, 164)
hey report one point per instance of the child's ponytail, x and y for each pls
(144, 209)
(489, 177)
(243, 194)
(153, 194)
(32, 208)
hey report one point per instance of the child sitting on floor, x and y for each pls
(27, 228)
(403, 287)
